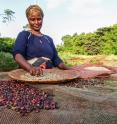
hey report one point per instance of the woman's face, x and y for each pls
(35, 20)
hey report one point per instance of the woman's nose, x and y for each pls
(36, 21)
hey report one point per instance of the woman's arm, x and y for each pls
(63, 66)
(28, 67)
(22, 62)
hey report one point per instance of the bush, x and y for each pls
(6, 44)
(7, 62)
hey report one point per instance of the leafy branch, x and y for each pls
(7, 15)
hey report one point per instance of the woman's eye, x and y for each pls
(37, 19)
(32, 19)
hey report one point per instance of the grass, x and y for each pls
(73, 59)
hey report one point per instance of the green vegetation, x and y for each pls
(6, 59)
(7, 62)
(7, 15)
(6, 44)
(102, 41)
(67, 56)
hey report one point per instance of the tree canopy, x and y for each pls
(102, 41)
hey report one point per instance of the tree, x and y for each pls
(102, 41)
(7, 15)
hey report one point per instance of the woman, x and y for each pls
(33, 43)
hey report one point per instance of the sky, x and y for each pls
(61, 17)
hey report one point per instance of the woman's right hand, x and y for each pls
(37, 70)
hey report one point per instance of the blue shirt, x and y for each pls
(31, 46)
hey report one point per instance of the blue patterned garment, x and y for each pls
(31, 46)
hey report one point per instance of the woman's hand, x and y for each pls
(37, 70)
(64, 67)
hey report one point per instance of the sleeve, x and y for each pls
(20, 44)
(56, 59)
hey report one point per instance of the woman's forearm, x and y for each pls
(22, 62)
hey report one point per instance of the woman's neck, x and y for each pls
(38, 33)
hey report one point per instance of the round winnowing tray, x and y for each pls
(96, 68)
(49, 76)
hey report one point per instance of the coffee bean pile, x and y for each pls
(24, 98)
(81, 83)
